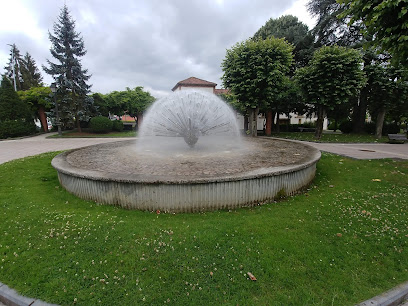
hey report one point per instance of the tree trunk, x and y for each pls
(253, 122)
(359, 113)
(268, 129)
(246, 123)
(43, 118)
(319, 123)
(379, 123)
(273, 125)
(277, 122)
(139, 120)
(78, 123)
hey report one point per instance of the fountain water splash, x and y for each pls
(189, 115)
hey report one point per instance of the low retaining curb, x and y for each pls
(392, 297)
(10, 297)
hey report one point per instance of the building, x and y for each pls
(196, 83)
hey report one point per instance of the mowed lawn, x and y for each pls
(341, 241)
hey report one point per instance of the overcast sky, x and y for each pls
(149, 43)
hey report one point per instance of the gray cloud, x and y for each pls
(147, 43)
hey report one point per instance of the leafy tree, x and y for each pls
(133, 102)
(38, 98)
(101, 104)
(256, 72)
(71, 79)
(385, 21)
(387, 91)
(13, 68)
(294, 31)
(333, 77)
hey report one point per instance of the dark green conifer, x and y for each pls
(71, 79)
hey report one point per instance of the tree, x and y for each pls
(133, 102)
(385, 21)
(256, 72)
(333, 77)
(13, 68)
(30, 73)
(332, 25)
(15, 116)
(38, 98)
(71, 79)
(294, 31)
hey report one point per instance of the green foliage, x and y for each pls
(386, 22)
(333, 76)
(256, 71)
(346, 127)
(11, 106)
(36, 96)
(131, 101)
(16, 128)
(71, 79)
(117, 125)
(101, 104)
(25, 70)
(101, 124)
(294, 31)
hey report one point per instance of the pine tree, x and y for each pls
(30, 73)
(13, 68)
(71, 79)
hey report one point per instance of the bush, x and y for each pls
(388, 128)
(117, 125)
(101, 124)
(16, 128)
(346, 127)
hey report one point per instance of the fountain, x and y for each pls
(188, 157)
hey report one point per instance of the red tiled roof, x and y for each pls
(194, 82)
(221, 91)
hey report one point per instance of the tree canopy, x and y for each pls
(385, 21)
(332, 78)
(294, 31)
(256, 72)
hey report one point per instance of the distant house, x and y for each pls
(195, 83)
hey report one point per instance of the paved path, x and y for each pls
(365, 150)
(19, 148)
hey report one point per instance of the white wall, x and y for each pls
(208, 89)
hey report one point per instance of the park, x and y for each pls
(128, 199)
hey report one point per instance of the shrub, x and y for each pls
(346, 127)
(16, 128)
(117, 125)
(101, 124)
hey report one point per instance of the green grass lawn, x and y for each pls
(332, 137)
(88, 134)
(342, 241)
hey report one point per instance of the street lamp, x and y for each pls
(54, 91)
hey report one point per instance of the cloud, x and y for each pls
(152, 43)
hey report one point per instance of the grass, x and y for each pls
(332, 137)
(88, 134)
(341, 242)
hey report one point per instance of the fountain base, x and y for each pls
(190, 181)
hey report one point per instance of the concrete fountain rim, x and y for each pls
(61, 164)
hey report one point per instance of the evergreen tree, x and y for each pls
(71, 79)
(30, 73)
(13, 68)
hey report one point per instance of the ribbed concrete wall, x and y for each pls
(190, 197)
